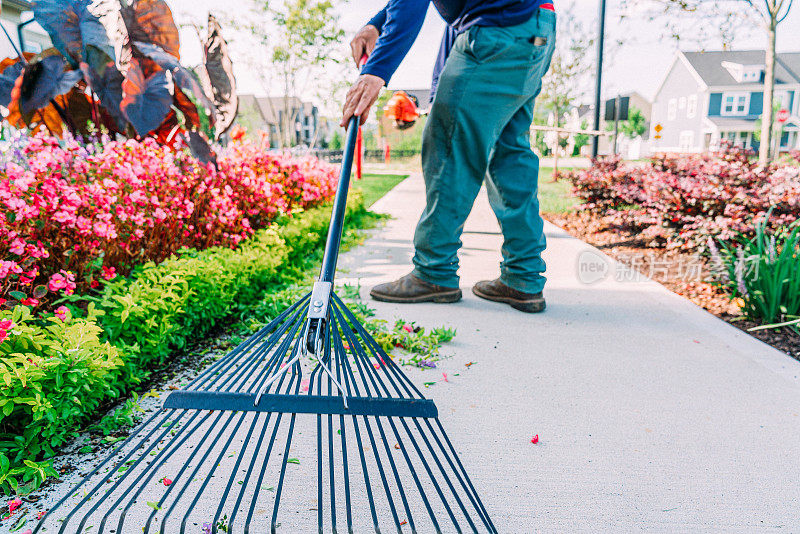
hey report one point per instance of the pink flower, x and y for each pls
(408, 328)
(109, 273)
(6, 324)
(30, 301)
(17, 247)
(61, 312)
(3, 335)
(14, 504)
(535, 439)
(57, 281)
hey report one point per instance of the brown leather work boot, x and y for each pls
(497, 291)
(410, 290)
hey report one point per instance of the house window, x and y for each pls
(782, 99)
(691, 107)
(735, 103)
(682, 103)
(672, 109)
(686, 140)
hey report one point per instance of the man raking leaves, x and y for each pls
(488, 74)
(313, 381)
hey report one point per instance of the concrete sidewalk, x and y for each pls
(652, 414)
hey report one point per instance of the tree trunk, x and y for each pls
(558, 144)
(767, 116)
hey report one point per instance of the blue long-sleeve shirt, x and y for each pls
(400, 21)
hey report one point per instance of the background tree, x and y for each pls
(632, 128)
(308, 35)
(725, 18)
(566, 80)
(302, 41)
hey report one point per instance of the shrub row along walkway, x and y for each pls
(651, 413)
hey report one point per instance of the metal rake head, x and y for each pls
(237, 450)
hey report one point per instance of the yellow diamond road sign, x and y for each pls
(658, 128)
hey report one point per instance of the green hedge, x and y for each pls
(56, 374)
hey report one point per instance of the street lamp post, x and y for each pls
(597, 102)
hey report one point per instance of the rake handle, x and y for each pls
(339, 205)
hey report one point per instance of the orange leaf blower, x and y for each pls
(402, 109)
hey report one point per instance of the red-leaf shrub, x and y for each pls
(75, 213)
(686, 199)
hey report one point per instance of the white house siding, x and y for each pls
(36, 39)
(681, 130)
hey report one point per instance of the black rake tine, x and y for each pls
(94, 471)
(331, 450)
(111, 473)
(338, 347)
(376, 350)
(153, 467)
(228, 360)
(223, 499)
(381, 471)
(466, 476)
(478, 508)
(260, 476)
(343, 435)
(356, 347)
(289, 436)
(264, 464)
(256, 358)
(444, 475)
(430, 474)
(208, 478)
(186, 464)
(400, 443)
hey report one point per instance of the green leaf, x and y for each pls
(19, 295)
(153, 505)
(19, 524)
(40, 291)
(292, 461)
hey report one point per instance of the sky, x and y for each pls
(638, 64)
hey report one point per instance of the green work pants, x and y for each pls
(479, 128)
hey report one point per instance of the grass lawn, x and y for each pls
(554, 197)
(375, 186)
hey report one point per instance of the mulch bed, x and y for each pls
(683, 273)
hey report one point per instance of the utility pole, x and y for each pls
(597, 102)
(617, 105)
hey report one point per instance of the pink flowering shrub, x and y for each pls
(684, 200)
(76, 214)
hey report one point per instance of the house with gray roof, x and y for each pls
(267, 114)
(707, 97)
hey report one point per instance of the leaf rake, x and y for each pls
(219, 456)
